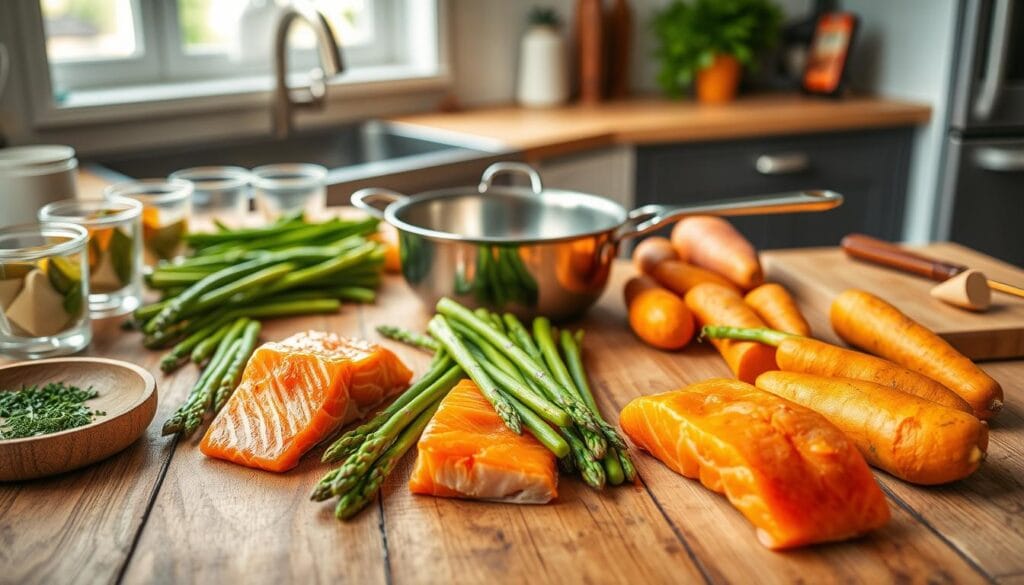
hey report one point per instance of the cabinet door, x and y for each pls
(869, 168)
(989, 197)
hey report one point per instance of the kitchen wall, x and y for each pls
(905, 50)
(486, 43)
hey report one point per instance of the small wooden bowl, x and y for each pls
(127, 393)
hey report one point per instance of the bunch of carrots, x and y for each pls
(914, 406)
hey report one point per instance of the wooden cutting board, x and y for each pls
(817, 276)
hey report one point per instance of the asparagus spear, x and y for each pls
(249, 282)
(408, 337)
(229, 381)
(206, 347)
(176, 421)
(347, 443)
(181, 352)
(542, 332)
(612, 461)
(540, 429)
(172, 311)
(360, 462)
(358, 498)
(195, 414)
(442, 332)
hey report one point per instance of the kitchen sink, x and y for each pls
(373, 152)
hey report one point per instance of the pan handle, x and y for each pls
(510, 167)
(374, 200)
(644, 219)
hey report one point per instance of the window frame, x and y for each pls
(393, 70)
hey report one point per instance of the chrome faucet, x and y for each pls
(287, 100)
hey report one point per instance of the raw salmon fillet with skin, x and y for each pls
(466, 451)
(294, 393)
(793, 474)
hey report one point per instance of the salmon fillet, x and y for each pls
(467, 452)
(296, 392)
(794, 475)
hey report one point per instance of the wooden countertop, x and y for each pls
(161, 512)
(541, 133)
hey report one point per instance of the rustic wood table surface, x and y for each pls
(162, 512)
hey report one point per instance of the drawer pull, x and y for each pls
(782, 164)
(1000, 160)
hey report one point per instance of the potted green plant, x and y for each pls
(709, 41)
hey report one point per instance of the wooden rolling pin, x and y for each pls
(871, 249)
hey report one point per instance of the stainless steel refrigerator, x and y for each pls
(983, 182)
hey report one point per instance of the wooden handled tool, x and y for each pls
(864, 247)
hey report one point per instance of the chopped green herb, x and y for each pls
(35, 410)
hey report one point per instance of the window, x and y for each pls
(99, 45)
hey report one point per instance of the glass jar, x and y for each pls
(44, 289)
(220, 194)
(166, 209)
(288, 188)
(114, 249)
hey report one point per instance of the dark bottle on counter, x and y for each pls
(620, 39)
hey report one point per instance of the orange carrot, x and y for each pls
(868, 322)
(679, 277)
(651, 252)
(914, 439)
(714, 304)
(712, 243)
(810, 356)
(656, 315)
(774, 305)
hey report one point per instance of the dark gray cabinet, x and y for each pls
(868, 167)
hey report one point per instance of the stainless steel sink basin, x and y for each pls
(368, 152)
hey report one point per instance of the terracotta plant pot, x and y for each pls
(717, 83)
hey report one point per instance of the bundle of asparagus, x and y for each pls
(291, 267)
(524, 376)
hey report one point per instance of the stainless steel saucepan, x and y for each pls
(533, 251)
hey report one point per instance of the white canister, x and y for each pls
(33, 176)
(543, 76)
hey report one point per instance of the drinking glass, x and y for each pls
(44, 287)
(166, 209)
(289, 188)
(220, 193)
(114, 249)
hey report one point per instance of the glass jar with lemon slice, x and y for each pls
(166, 209)
(44, 289)
(114, 250)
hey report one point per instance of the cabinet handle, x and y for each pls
(782, 164)
(1000, 160)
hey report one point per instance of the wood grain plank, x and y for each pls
(216, 522)
(79, 527)
(584, 536)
